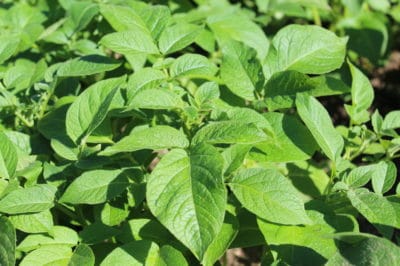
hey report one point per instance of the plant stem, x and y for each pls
(316, 17)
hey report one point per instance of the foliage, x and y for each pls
(166, 133)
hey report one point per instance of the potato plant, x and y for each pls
(166, 133)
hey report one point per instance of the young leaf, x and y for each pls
(89, 110)
(384, 177)
(87, 65)
(157, 99)
(193, 65)
(187, 195)
(319, 123)
(269, 195)
(154, 138)
(307, 49)
(362, 95)
(391, 120)
(28, 200)
(145, 78)
(123, 18)
(230, 132)
(7, 242)
(240, 70)
(82, 256)
(177, 37)
(130, 42)
(8, 157)
(96, 186)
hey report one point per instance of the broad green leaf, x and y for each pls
(81, 13)
(206, 94)
(384, 177)
(54, 255)
(360, 175)
(391, 120)
(154, 138)
(269, 195)
(134, 253)
(234, 157)
(82, 256)
(130, 42)
(8, 157)
(230, 132)
(375, 208)
(113, 213)
(123, 18)
(177, 37)
(224, 24)
(370, 250)
(145, 78)
(40, 222)
(60, 235)
(194, 66)
(282, 87)
(37, 198)
(96, 186)
(156, 99)
(156, 18)
(362, 95)
(97, 232)
(8, 46)
(240, 70)
(290, 139)
(318, 121)
(7, 242)
(305, 48)
(89, 110)
(87, 65)
(187, 195)
(170, 256)
(222, 241)
(310, 244)
(377, 121)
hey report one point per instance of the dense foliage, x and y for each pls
(165, 133)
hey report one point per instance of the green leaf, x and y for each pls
(145, 78)
(87, 65)
(171, 256)
(234, 157)
(7, 242)
(305, 48)
(50, 255)
(156, 99)
(384, 177)
(222, 241)
(154, 138)
(96, 186)
(156, 18)
(82, 256)
(240, 70)
(40, 222)
(206, 94)
(8, 46)
(375, 208)
(224, 24)
(269, 195)
(97, 232)
(360, 176)
(82, 13)
(391, 120)
(60, 236)
(123, 18)
(89, 110)
(187, 195)
(290, 139)
(370, 250)
(134, 253)
(130, 42)
(177, 37)
(8, 157)
(318, 121)
(282, 87)
(230, 132)
(28, 200)
(194, 66)
(362, 95)
(310, 244)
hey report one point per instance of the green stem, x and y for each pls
(23, 119)
(316, 17)
(67, 212)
